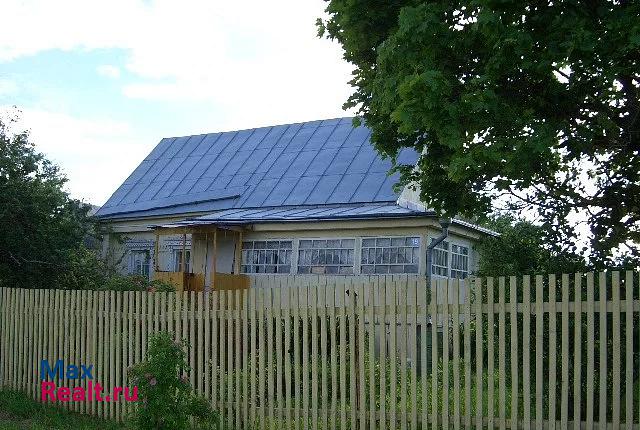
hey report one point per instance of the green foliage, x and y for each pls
(538, 105)
(522, 248)
(43, 234)
(18, 411)
(167, 399)
(117, 282)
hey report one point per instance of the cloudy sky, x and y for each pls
(99, 83)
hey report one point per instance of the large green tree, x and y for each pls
(42, 229)
(522, 106)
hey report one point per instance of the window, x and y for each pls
(266, 256)
(177, 260)
(140, 262)
(459, 261)
(326, 256)
(450, 256)
(390, 255)
(440, 259)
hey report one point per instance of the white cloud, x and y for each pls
(234, 64)
(256, 60)
(108, 71)
(95, 154)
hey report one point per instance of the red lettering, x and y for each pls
(47, 389)
(79, 395)
(63, 394)
(129, 398)
(116, 391)
(98, 389)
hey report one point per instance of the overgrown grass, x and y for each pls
(18, 411)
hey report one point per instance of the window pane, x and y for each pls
(368, 242)
(348, 243)
(326, 256)
(383, 242)
(459, 261)
(389, 254)
(396, 269)
(397, 241)
(270, 256)
(413, 268)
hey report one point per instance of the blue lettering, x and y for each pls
(86, 371)
(72, 372)
(45, 369)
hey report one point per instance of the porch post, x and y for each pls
(238, 262)
(184, 248)
(156, 265)
(215, 257)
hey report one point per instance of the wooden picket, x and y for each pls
(355, 352)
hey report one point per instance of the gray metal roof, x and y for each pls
(366, 211)
(307, 213)
(314, 163)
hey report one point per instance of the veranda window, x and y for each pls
(390, 255)
(459, 261)
(326, 256)
(267, 256)
(450, 260)
(177, 260)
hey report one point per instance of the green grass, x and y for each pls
(17, 411)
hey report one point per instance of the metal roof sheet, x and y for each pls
(305, 213)
(311, 163)
(367, 211)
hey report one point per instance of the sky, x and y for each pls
(99, 84)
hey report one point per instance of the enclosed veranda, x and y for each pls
(206, 257)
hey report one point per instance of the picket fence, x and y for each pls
(353, 353)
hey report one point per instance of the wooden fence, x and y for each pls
(348, 353)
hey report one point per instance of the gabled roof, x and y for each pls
(327, 162)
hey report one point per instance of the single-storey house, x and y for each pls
(306, 198)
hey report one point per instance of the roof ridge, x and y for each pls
(258, 128)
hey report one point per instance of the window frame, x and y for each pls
(175, 262)
(389, 265)
(133, 262)
(450, 258)
(244, 250)
(439, 249)
(353, 249)
(466, 256)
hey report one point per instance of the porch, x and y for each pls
(198, 268)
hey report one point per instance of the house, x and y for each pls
(305, 198)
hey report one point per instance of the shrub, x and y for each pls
(167, 399)
(134, 283)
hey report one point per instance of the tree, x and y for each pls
(43, 229)
(514, 106)
(522, 248)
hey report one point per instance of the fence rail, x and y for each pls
(352, 353)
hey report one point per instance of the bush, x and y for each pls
(167, 399)
(135, 283)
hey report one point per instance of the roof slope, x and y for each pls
(313, 163)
